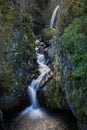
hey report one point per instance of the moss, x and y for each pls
(70, 9)
(72, 23)
(75, 43)
(17, 51)
(54, 97)
(48, 33)
(78, 100)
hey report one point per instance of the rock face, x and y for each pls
(40, 12)
(17, 59)
(71, 85)
(66, 66)
(50, 91)
(68, 87)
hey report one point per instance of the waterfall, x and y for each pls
(32, 88)
(32, 95)
(35, 83)
(53, 16)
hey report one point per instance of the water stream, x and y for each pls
(34, 108)
(53, 16)
(36, 118)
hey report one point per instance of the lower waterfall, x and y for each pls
(34, 108)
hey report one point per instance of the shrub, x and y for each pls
(48, 33)
(75, 40)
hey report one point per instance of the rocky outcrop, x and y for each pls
(18, 58)
(50, 91)
(68, 84)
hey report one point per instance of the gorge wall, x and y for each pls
(17, 56)
(68, 90)
(72, 44)
(40, 11)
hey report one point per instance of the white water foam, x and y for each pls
(34, 111)
(53, 16)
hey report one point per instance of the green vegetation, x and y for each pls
(17, 50)
(17, 53)
(71, 10)
(73, 37)
(48, 33)
(75, 41)
(54, 96)
(78, 98)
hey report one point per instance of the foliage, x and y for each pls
(78, 98)
(74, 40)
(79, 7)
(48, 33)
(70, 10)
(17, 53)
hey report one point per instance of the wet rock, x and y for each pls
(14, 102)
(19, 58)
(46, 78)
(48, 59)
(43, 121)
(40, 47)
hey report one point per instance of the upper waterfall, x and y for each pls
(53, 16)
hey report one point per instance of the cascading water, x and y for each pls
(32, 89)
(35, 83)
(53, 16)
(45, 121)
(32, 94)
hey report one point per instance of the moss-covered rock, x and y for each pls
(17, 55)
(71, 44)
(47, 34)
(53, 96)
